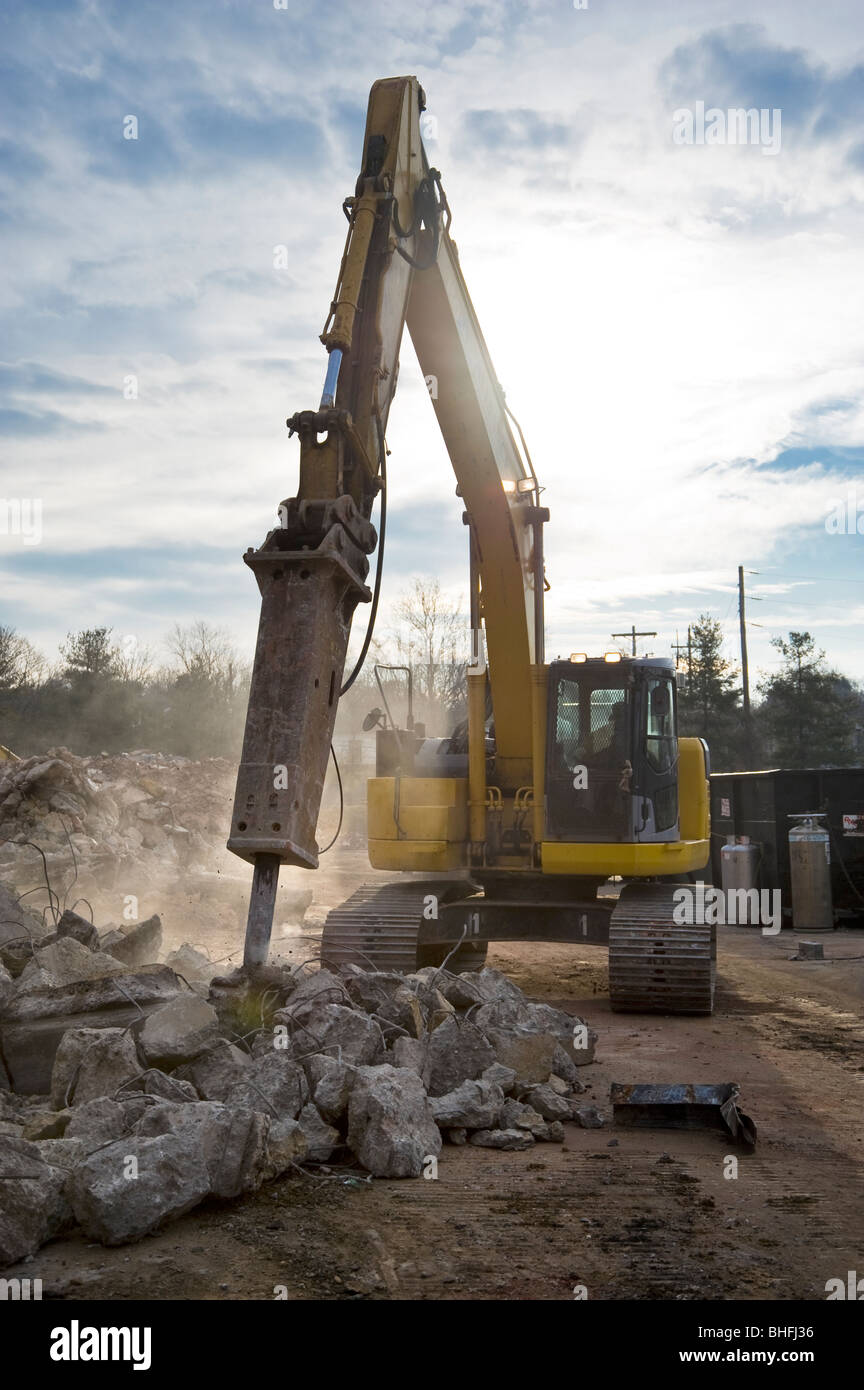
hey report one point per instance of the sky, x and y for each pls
(679, 327)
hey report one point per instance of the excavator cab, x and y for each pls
(612, 750)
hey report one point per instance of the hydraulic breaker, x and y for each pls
(311, 572)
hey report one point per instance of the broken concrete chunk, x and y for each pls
(425, 985)
(413, 1053)
(321, 1138)
(505, 1077)
(494, 984)
(331, 1083)
(194, 966)
(391, 1127)
(65, 962)
(32, 1209)
(509, 1014)
(215, 1071)
(92, 1062)
(17, 921)
(97, 1122)
(34, 1021)
(320, 985)
(46, 1124)
(502, 1139)
(274, 1084)
(137, 944)
(550, 1105)
(529, 1055)
(438, 1010)
(516, 1115)
(473, 1105)
(462, 991)
(128, 1189)
(423, 977)
(154, 1082)
(233, 1140)
(458, 1052)
(551, 1133)
(372, 990)
(404, 1011)
(286, 1144)
(332, 1028)
(588, 1116)
(62, 1153)
(71, 924)
(565, 1068)
(272, 1039)
(179, 1031)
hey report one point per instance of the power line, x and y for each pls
(818, 578)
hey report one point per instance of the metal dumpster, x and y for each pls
(759, 804)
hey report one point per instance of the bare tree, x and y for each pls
(205, 654)
(20, 663)
(436, 634)
(134, 663)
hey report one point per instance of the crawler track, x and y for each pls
(656, 965)
(381, 928)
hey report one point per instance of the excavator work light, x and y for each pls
(611, 656)
(578, 656)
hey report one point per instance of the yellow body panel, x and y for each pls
(417, 856)
(432, 830)
(633, 861)
(694, 806)
(428, 808)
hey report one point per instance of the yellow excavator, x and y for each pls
(569, 772)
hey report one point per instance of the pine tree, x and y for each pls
(708, 700)
(808, 711)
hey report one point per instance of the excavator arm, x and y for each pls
(399, 266)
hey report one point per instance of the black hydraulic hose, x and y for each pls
(382, 456)
(341, 802)
(361, 660)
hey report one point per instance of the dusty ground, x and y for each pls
(627, 1215)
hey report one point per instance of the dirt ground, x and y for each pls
(622, 1214)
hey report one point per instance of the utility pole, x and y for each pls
(679, 647)
(633, 634)
(745, 675)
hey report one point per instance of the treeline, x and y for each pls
(108, 695)
(804, 715)
(104, 694)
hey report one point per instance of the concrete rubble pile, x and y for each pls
(113, 810)
(130, 1091)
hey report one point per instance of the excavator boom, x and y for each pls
(399, 265)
